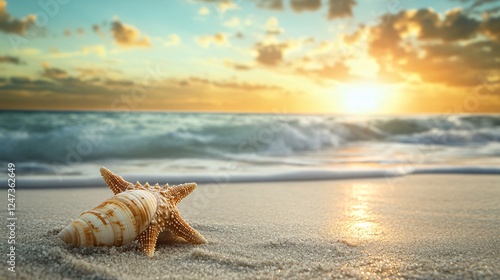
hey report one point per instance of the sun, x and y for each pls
(363, 98)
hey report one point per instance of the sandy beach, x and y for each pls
(423, 227)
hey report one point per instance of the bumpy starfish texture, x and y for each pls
(167, 218)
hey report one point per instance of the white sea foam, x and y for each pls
(222, 178)
(65, 145)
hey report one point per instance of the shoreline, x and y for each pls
(307, 175)
(428, 226)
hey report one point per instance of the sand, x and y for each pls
(425, 226)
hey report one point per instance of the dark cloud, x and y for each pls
(128, 36)
(384, 39)
(67, 32)
(481, 55)
(455, 26)
(491, 28)
(336, 8)
(234, 85)
(457, 61)
(97, 30)
(59, 82)
(340, 8)
(27, 84)
(54, 73)
(243, 67)
(270, 4)
(237, 66)
(478, 6)
(10, 59)
(96, 72)
(9, 24)
(19, 80)
(305, 5)
(270, 55)
(120, 83)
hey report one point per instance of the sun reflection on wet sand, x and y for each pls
(361, 223)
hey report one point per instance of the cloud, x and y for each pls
(270, 4)
(97, 72)
(62, 89)
(54, 73)
(407, 43)
(10, 59)
(98, 50)
(491, 28)
(59, 89)
(305, 5)
(203, 11)
(9, 24)
(94, 77)
(237, 66)
(233, 85)
(270, 54)
(272, 27)
(478, 6)
(25, 83)
(233, 22)
(173, 40)
(455, 26)
(338, 71)
(387, 37)
(340, 8)
(336, 8)
(80, 31)
(322, 48)
(219, 39)
(97, 30)
(29, 51)
(222, 5)
(128, 36)
(225, 6)
(118, 83)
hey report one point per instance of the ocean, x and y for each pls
(66, 149)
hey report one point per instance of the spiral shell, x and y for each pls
(114, 222)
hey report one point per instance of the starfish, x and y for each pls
(167, 220)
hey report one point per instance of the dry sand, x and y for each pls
(426, 226)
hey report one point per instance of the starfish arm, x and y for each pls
(166, 237)
(182, 229)
(179, 192)
(147, 240)
(116, 183)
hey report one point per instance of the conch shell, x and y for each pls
(114, 222)
(136, 212)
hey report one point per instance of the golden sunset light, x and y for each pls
(249, 56)
(364, 98)
(250, 139)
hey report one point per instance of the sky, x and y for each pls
(295, 56)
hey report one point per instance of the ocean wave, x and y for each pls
(64, 137)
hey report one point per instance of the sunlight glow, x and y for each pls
(363, 98)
